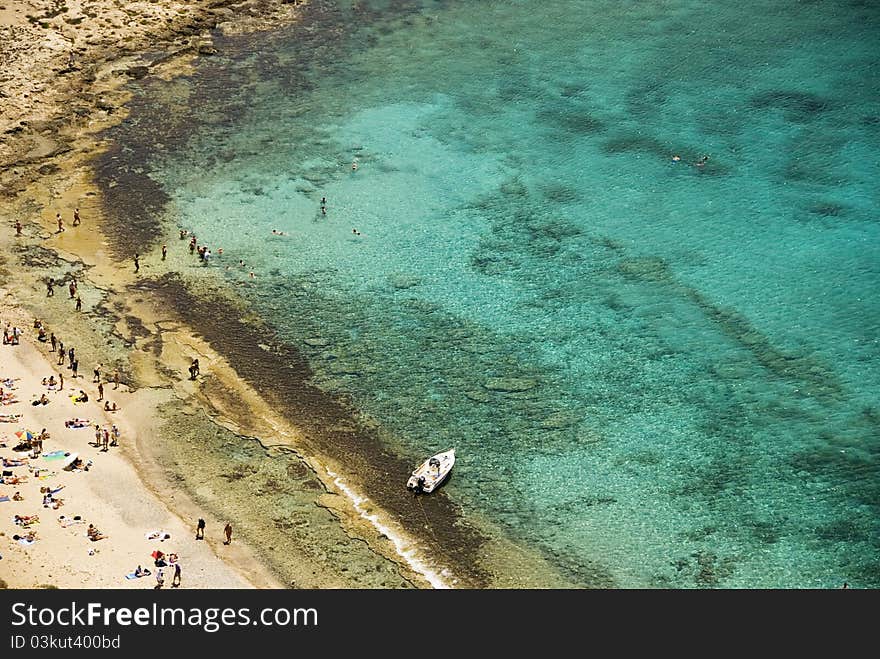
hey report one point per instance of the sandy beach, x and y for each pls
(109, 494)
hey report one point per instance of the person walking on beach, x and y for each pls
(137, 262)
(175, 580)
(97, 373)
(53, 340)
(60, 381)
(74, 366)
(76, 219)
(160, 579)
(70, 354)
(72, 288)
(61, 353)
(100, 391)
(116, 379)
(60, 222)
(18, 227)
(227, 531)
(105, 436)
(50, 287)
(79, 303)
(200, 529)
(114, 435)
(164, 251)
(97, 435)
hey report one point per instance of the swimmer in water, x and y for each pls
(354, 166)
(676, 158)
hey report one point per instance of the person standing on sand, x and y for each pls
(72, 288)
(18, 227)
(61, 353)
(164, 251)
(74, 366)
(97, 435)
(60, 381)
(105, 436)
(100, 391)
(50, 287)
(160, 579)
(137, 262)
(200, 529)
(76, 219)
(97, 373)
(60, 222)
(79, 303)
(227, 531)
(53, 340)
(116, 379)
(175, 580)
(114, 435)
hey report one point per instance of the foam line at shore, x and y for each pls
(408, 553)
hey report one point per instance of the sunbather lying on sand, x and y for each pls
(26, 520)
(12, 480)
(9, 418)
(14, 462)
(77, 423)
(69, 521)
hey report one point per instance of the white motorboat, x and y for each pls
(433, 471)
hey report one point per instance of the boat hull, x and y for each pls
(428, 476)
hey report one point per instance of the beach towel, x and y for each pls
(132, 575)
(157, 535)
(69, 521)
(55, 455)
(78, 402)
(25, 541)
(4, 498)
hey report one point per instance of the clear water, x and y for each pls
(655, 373)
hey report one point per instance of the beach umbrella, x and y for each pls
(25, 435)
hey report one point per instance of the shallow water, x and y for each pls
(654, 373)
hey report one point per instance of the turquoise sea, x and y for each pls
(655, 373)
